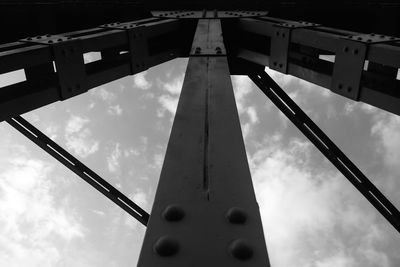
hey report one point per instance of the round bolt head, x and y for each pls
(173, 213)
(166, 246)
(236, 215)
(241, 250)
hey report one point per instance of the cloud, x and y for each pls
(175, 86)
(78, 137)
(168, 103)
(115, 110)
(103, 94)
(140, 81)
(309, 215)
(33, 227)
(242, 87)
(113, 160)
(387, 128)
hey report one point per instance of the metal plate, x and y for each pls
(207, 14)
(348, 68)
(372, 38)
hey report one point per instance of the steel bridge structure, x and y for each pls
(205, 212)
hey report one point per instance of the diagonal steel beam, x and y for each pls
(326, 146)
(69, 161)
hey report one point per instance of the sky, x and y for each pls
(312, 216)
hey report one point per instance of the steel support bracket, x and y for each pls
(348, 68)
(138, 48)
(68, 60)
(280, 43)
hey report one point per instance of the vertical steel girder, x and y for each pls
(273, 91)
(79, 168)
(205, 212)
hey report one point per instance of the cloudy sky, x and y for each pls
(312, 216)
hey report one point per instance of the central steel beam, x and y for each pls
(205, 211)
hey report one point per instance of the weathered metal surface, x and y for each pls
(205, 212)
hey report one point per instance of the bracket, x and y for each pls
(69, 63)
(138, 48)
(280, 43)
(350, 60)
(348, 68)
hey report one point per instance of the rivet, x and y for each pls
(166, 246)
(277, 33)
(340, 86)
(355, 51)
(236, 215)
(241, 250)
(280, 65)
(346, 49)
(173, 213)
(275, 63)
(283, 35)
(349, 89)
(359, 38)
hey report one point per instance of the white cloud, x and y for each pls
(175, 86)
(103, 94)
(387, 128)
(32, 225)
(140, 81)
(252, 113)
(307, 214)
(115, 110)
(78, 137)
(242, 87)
(338, 260)
(113, 160)
(75, 124)
(168, 103)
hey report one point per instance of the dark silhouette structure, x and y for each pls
(205, 212)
